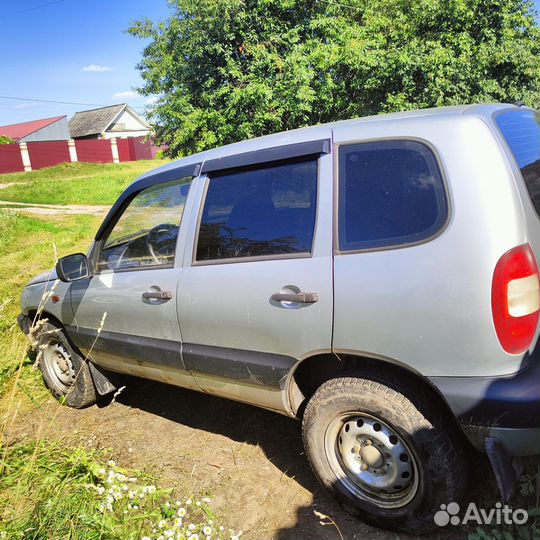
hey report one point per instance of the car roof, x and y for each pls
(322, 131)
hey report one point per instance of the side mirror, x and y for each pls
(73, 267)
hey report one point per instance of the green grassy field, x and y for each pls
(27, 247)
(48, 489)
(74, 183)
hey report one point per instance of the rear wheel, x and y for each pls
(64, 372)
(383, 452)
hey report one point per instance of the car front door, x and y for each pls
(256, 291)
(125, 313)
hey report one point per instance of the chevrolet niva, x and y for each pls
(376, 278)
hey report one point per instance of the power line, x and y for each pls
(62, 102)
(30, 9)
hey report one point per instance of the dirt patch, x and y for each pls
(250, 461)
(55, 209)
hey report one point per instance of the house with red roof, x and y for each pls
(47, 129)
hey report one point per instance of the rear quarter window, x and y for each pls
(521, 130)
(390, 193)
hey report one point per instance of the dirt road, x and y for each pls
(248, 460)
(54, 209)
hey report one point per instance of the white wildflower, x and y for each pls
(152, 489)
(178, 522)
(181, 512)
(207, 530)
(193, 537)
(189, 501)
(111, 463)
(206, 500)
(162, 524)
(168, 534)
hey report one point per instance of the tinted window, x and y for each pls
(521, 129)
(264, 211)
(390, 193)
(146, 233)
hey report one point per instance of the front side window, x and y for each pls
(268, 211)
(145, 234)
(390, 193)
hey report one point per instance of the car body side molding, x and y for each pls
(241, 366)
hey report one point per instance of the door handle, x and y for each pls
(157, 295)
(301, 297)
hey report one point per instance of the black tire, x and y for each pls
(437, 450)
(74, 387)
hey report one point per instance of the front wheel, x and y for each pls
(383, 452)
(64, 372)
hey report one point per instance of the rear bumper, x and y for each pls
(507, 408)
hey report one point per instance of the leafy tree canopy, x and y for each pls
(227, 70)
(4, 139)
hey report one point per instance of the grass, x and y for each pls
(74, 183)
(527, 498)
(27, 247)
(48, 491)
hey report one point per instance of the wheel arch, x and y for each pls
(308, 374)
(35, 315)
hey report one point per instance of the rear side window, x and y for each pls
(390, 193)
(267, 211)
(521, 129)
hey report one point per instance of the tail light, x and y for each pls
(515, 299)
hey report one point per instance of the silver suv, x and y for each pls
(375, 278)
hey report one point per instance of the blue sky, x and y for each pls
(70, 50)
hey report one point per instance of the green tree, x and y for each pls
(4, 139)
(227, 70)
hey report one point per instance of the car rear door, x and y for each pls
(256, 291)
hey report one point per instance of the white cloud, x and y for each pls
(96, 68)
(130, 94)
(152, 100)
(22, 106)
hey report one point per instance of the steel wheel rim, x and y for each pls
(57, 361)
(371, 460)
